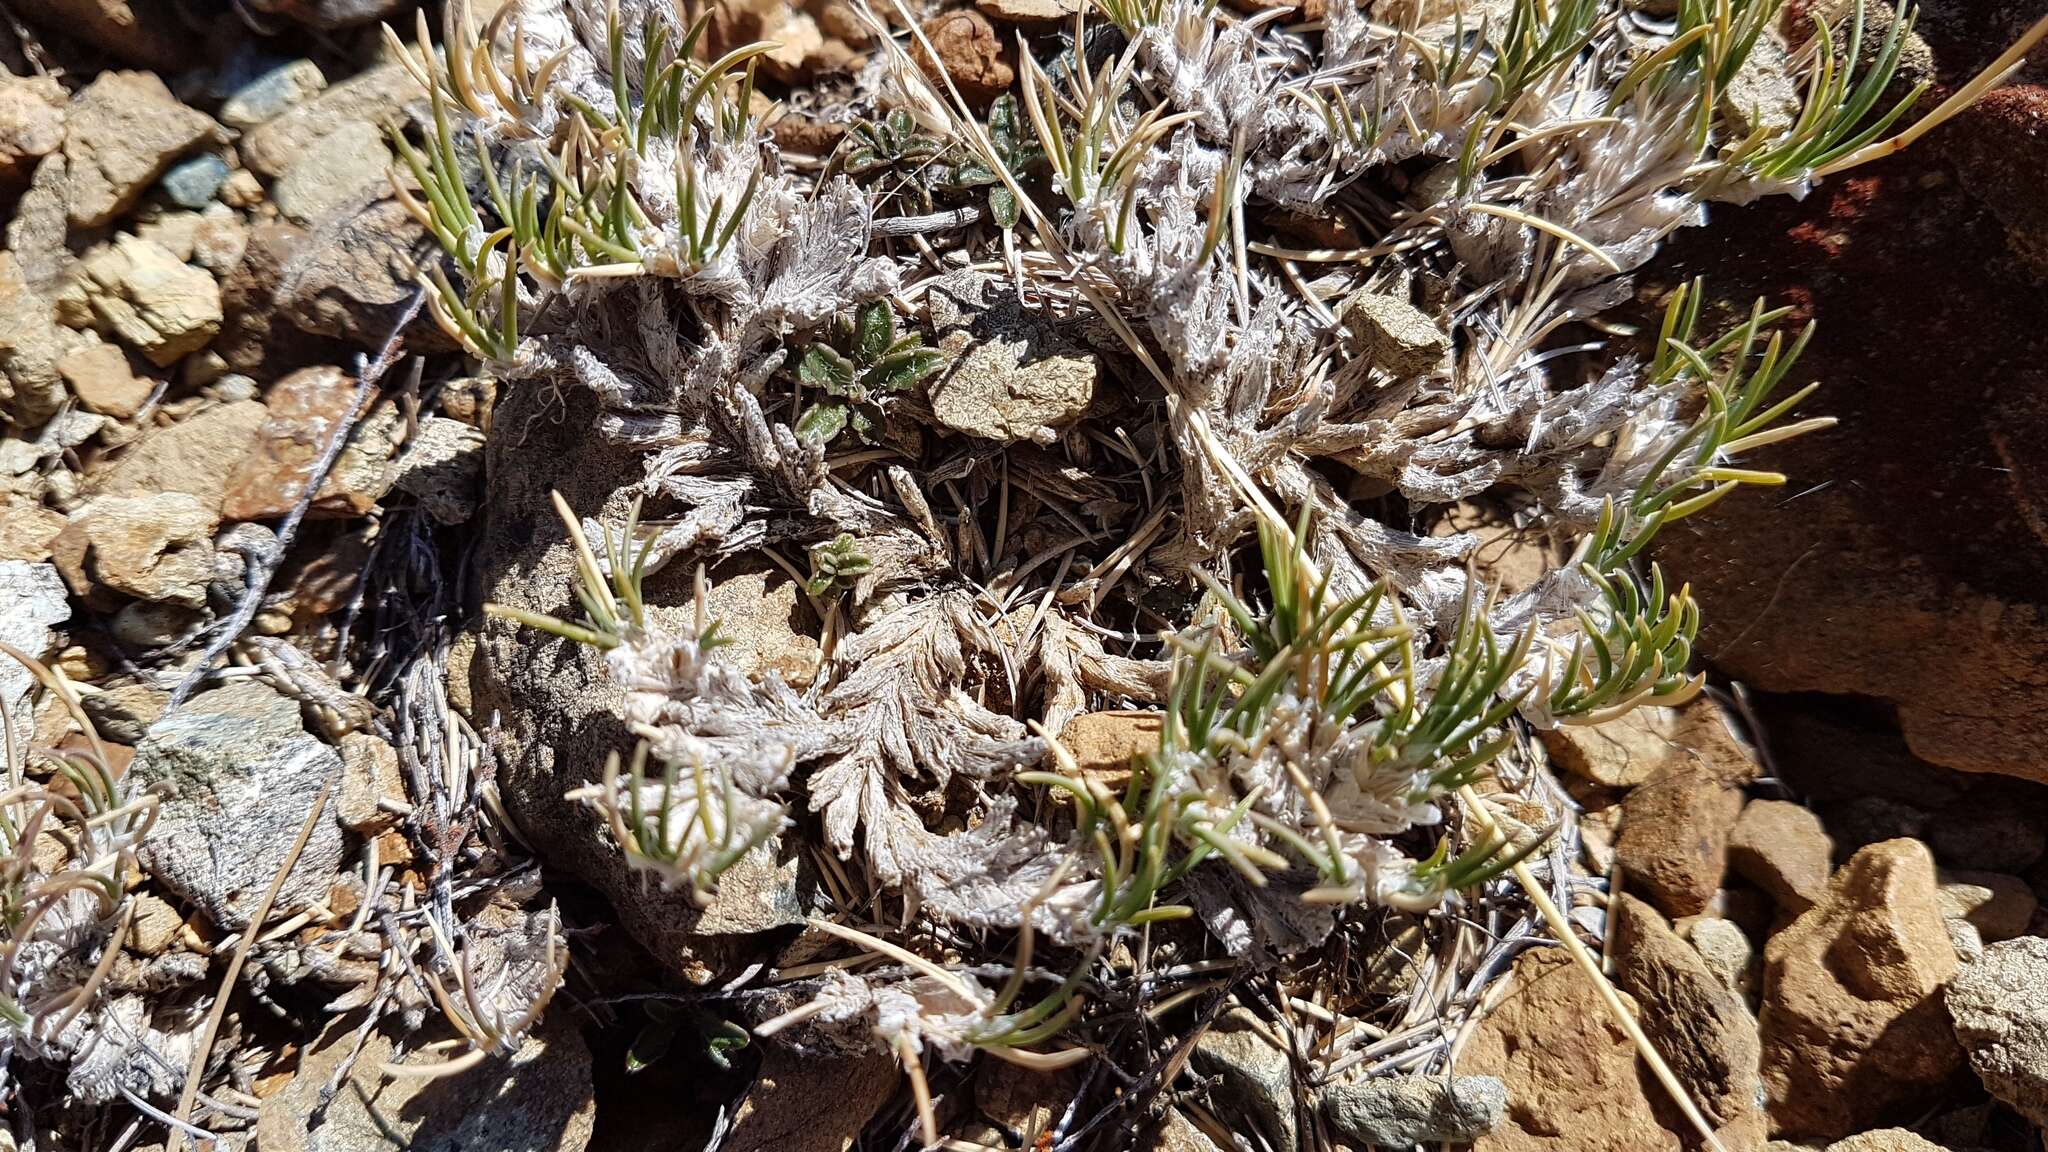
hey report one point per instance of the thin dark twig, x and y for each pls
(263, 568)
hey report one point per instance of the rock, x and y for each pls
(1852, 1021)
(1726, 951)
(103, 381)
(273, 93)
(155, 927)
(144, 33)
(194, 183)
(26, 531)
(755, 612)
(2000, 1007)
(1886, 1140)
(38, 235)
(1398, 1111)
(304, 409)
(194, 456)
(806, 1104)
(1028, 12)
(145, 627)
(970, 52)
(1256, 1081)
(143, 295)
(339, 170)
(1998, 152)
(1765, 91)
(1983, 835)
(1918, 583)
(32, 602)
(1700, 1026)
(238, 775)
(218, 240)
(1014, 375)
(124, 713)
(126, 128)
(369, 774)
(157, 548)
(443, 465)
(1781, 848)
(1177, 1133)
(242, 190)
(351, 278)
(31, 125)
(1626, 752)
(538, 1100)
(1104, 743)
(1572, 1077)
(380, 97)
(31, 345)
(1674, 835)
(1021, 1101)
(1393, 334)
(1993, 905)
(331, 14)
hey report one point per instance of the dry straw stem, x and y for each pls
(1562, 929)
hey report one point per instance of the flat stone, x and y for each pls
(1674, 837)
(1699, 1024)
(336, 171)
(273, 93)
(1397, 1111)
(380, 97)
(1014, 375)
(103, 380)
(1256, 1078)
(1028, 11)
(238, 775)
(194, 456)
(755, 611)
(125, 131)
(1103, 744)
(32, 343)
(1996, 906)
(369, 774)
(26, 531)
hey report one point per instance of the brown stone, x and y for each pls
(808, 1104)
(31, 125)
(193, 456)
(305, 408)
(145, 33)
(103, 380)
(157, 548)
(126, 129)
(1028, 12)
(26, 531)
(1886, 1140)
(1104, 743)
(1573, 1078)
(1674, 836)
(1854, 1031)
(1625, 752)
(1702, 1029)
(756, 612)
(970, 52)
(1781, 848)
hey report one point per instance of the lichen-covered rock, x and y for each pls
(1853, 1027)
(1886, 1140)
(337, 171)
(443, 466)
(755, 611)
(273, 93)
(304, 410)
(32, 601)
(32, 344)
(195, 456)
(1999, 1004)
(237, 775)
(1396, 1111)
(1626, 752)
(1013, 376)
(125, 130)
(1393, 334)
(1255, 1079)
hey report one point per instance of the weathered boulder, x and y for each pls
(1999, 1004)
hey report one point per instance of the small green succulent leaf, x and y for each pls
(903, 370)
(875, 331)
(1002, 208)
(653, 1042)
(823, 367)
(824, 421)
(1003, 125)
(863, 425)
(726, 1037)
(973, 174)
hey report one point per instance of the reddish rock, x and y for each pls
(1698, 1023)
(304, 410)
(1674, 834)
(1854, 1030)
(1626, 752)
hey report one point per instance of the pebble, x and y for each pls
(273, 93)
(193, 183)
